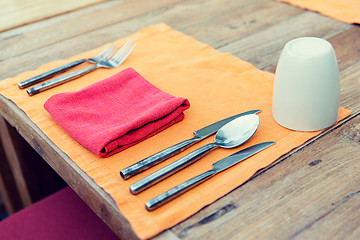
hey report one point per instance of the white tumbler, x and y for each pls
(306, 92)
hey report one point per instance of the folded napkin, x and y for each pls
(218, 85)
(116, 113)
(347, 11)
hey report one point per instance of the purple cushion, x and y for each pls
(62, 215)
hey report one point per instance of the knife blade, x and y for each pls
(159, 157)
(218, 166)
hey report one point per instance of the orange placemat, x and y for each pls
(347, 11)
(217, 85)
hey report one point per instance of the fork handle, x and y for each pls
(60, 80)
(49, 74)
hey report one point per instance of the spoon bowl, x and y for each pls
(237, 131)
(230, 135)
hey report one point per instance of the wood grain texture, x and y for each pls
(80, 182)
(20, 12)
(310, 193)
(303, 196)
(9, 194)
(27, 177)
(14, 163)
(93, 28)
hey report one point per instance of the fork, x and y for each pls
(113, 62)
(105, 54)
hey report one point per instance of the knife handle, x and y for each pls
(170, 169)
(157, 158)
(178, 190)
(49, 74)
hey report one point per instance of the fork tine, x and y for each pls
(122, 50)
(121, 59)
(107, 53)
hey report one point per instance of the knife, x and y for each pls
(173, 150)
(217, 167)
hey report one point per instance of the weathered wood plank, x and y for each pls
(9, 193)
(263, 48)
(234, 217)
(297, 198)
(84, 185)
(202, 23)
(350, 90)
(14, 163)
(34, 178)
(238, 22)
(21, 12)
(38, 35)
(347, 49)
(168, 235)
(245, 26)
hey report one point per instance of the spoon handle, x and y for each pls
(170, 169)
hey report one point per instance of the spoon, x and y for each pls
(230, 135)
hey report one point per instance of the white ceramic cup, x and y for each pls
(306, 92)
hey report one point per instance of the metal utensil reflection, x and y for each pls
(231, 135)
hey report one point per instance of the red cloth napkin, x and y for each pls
(116, 113)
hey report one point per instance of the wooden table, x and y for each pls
(313, 192)
(16, 13)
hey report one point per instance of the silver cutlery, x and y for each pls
(113, 62)
(173, 150)
(104, 55)
(217, 167)
(231, 135)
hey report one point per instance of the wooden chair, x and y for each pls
(62, 215)
(25, 177)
